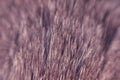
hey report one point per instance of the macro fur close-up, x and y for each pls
(59, 39)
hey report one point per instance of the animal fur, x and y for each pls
(59, 39)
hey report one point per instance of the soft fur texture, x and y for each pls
(59, 39)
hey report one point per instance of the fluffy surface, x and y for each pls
(59, 39)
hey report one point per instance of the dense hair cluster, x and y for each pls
(59, 39)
